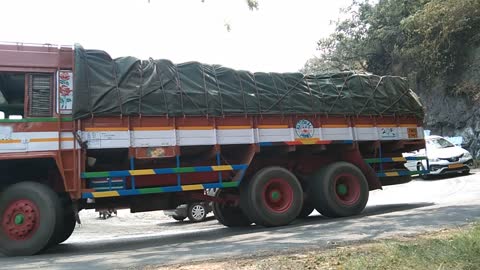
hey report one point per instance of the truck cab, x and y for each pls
(36, 145)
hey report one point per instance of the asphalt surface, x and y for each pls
(135, 241)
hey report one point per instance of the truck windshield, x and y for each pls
(439, 143)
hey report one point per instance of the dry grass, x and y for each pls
(445, 249)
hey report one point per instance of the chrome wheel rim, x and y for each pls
(198, 212)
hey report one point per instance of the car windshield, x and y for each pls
(439, 143)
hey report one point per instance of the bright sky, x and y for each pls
(279, 37)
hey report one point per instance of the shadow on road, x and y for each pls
(175, 223)
(445, 176)
(217, 232)
(369, 211)
(219, 242)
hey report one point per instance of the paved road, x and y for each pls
(411, 208)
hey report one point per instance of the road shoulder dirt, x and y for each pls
(449, 248)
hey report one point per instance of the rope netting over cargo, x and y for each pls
(129, 86)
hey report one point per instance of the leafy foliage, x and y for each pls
(437, 34)
(398, 37)
(252, 4)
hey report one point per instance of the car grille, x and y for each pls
(452, 159)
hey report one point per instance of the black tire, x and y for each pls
(307, 209)
(44, 211)
(64, 229)
(466, 172)
(69, 222)
(178, 218)
(272, 197)
(339, 190)
(197, 212)
(227, 215)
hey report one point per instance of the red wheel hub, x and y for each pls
(277, 195)
(347, 188)
(21, 219)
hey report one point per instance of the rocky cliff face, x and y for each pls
(456, 114)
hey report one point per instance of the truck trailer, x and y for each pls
(80, 130)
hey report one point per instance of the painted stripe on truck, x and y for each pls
(400, 173)
(306, 142)
(89, 175)
(154, 190)
(392, 159)
(168, 136)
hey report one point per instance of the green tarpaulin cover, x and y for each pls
(129, 86)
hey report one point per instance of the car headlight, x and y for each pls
(433, 159)
(467, 155)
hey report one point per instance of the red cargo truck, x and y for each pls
(80, 130)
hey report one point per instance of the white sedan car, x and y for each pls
(443, 158)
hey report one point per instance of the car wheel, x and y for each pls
(197, 212)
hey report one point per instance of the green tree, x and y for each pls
(437, 35)
(398, 37)
(370, 37)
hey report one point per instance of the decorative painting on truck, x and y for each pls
(388, 133)
(304, 129)
(65, 91)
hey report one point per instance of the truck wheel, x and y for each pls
(273, 197)
(29, 213)
(69, 226)
(227, 215)
(307, 209)
(339, 190)
(69, 222)
(197, 212)
(64, 229)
